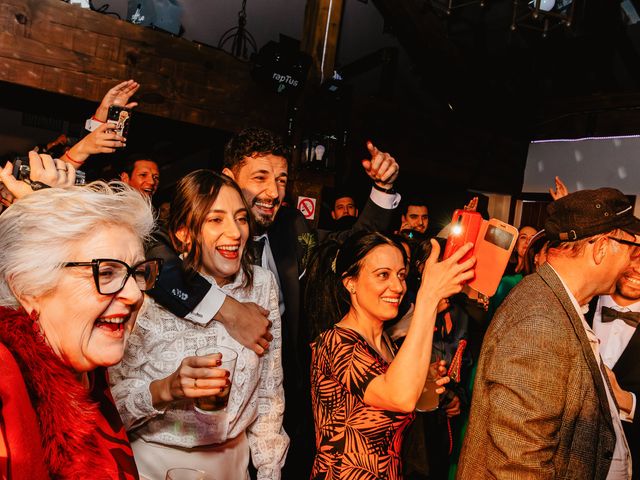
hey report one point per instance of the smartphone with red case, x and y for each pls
(465, 227)
(492, 249)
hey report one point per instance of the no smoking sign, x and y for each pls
(307, 206)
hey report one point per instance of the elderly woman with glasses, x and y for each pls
(72, 273)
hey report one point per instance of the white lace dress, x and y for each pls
(155, 348)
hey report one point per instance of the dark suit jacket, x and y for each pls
(539, 408)
(175, 290)
(290, 240)
(627, 371)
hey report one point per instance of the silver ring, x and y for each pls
(61, 169)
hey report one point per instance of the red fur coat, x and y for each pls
(79, 431)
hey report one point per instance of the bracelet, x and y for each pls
(389, 191)
(66, 154)
(93, 117)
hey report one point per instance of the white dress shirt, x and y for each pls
(155, 348)
(614, 337)
(269, 262)
(620, 468)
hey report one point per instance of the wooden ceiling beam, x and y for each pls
(322, 20)
(61, 48)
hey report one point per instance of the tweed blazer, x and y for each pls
(540, 407)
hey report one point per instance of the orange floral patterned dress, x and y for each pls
(354, 441)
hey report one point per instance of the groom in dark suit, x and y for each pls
(614, 319)
(257, 160)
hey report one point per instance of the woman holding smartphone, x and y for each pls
(363, 390)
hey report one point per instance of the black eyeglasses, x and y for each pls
(110, 276)
(635, 252)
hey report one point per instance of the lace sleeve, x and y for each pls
(267, 439)
(130, 379)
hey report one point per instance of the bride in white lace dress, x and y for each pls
(160, 375)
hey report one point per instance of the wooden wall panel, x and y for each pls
(61, 48)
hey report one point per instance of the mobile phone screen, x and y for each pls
(500, 238)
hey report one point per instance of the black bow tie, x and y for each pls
(630, 318)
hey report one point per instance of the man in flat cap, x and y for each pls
(542, 404)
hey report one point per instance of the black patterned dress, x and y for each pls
(354, 441)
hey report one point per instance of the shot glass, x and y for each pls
(217, 403)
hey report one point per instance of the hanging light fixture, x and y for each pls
(542, 15)
(240, 38)
(543, 5)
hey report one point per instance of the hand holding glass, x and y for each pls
(217, 403)
(430, 397)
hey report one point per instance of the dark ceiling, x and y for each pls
(488, 90)
(468, 94)
(507, 79)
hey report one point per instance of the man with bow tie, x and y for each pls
(543, 405)
(615, 320)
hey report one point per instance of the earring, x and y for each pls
(352, 290)
(34, 316)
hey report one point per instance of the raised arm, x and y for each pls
(101, 140)
(560, 190)
(44, 171)
(400, 387)
(118, 95)
(377, 213)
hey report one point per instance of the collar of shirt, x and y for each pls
(230, 286)
(608, 301)
(580, 310)
(621, 462)
(614, 336)
(269, 262)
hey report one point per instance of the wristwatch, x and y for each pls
(390, 191)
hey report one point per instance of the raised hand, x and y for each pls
(472, 205)
(560, 190)
(382, 168)
(118, 95)
(446, 278)
(44, 169)
(6, 197)
(101, 140)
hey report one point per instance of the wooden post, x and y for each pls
(321, 34)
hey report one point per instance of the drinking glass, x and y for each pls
(185, 474)
(217, 403)
(430, 399)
